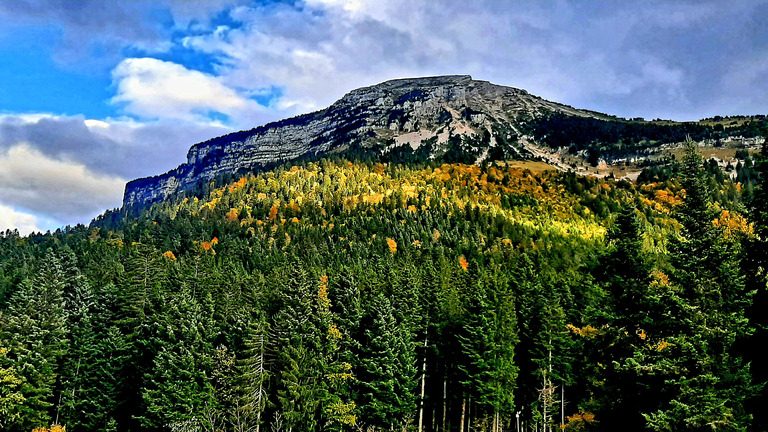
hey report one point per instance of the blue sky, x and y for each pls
(96, 93)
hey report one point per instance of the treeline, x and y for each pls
(617, 138)
(340, 296)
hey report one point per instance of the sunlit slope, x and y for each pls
(352, 205)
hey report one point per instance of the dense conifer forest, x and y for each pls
(339, 295)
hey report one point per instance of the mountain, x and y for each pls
(391, 114)
(340, 293)
(451, 118)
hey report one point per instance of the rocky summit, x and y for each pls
(431, 113)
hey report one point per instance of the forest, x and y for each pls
(352, 295)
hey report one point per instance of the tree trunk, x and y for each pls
(423, 382)
(445, 401)
(463, 411)
(261, 385)
(469, 414)
(562, 405)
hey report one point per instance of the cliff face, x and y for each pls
(384, 116)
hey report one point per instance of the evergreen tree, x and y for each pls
(635, 308)
(178, 389)
(295, 344)
(706, 382)
(488, 343)
(34, 330)
(91, 390)
(10, 397)
(755, 267)
(254, 377)
(388, 376)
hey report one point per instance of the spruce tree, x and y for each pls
(488, 342)
(254, 376)
(755, 268)
(92, 385)
(707, 383)
(34, 330)
(388, 375)
(632, 310)
(10, 397)
(178, 389)
(294, 343)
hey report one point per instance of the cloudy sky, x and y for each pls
(96, 93)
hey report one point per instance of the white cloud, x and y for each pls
(63, 190)
(65, 170)
(95, 124)
(123, 147)
(12, 219)
(624, 59)
(152, 88)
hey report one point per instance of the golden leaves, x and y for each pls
(54, 428)
(661, 346)
(392, 245)
(580, 420)
(733, 225)
(233, 214)
(587, 331)
(208, 246)
(463, 263)
(322, 294)
(238, 185)
(333, 332)
(343, 412)
(170, 256)
(659, 279)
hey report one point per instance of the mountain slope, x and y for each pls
(394, 113)
(451, 119)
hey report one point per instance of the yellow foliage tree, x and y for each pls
(392, 245)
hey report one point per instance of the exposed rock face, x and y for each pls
(393, 113)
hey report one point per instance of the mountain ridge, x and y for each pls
(406, 110)
(448, 117)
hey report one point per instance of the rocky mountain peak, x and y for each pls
(440, 112)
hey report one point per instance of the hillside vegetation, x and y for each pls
(343, 296)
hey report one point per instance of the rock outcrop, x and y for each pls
(384, 116)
